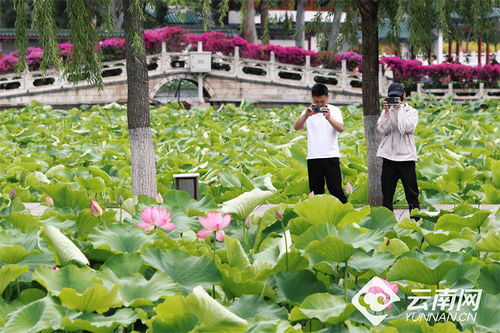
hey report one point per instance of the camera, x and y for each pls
(319, 108)
(393, 100)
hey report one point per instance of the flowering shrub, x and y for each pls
(352, 59)
(113, 48)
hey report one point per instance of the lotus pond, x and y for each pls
(293, 268)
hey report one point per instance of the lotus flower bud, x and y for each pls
(49, 201)
(12, 193)
(95, 209)
(348, 188)
(248, 221)
(159, 198)
(278, 215)
(311, 194)
(120, 199)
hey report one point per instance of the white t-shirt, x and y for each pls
(321, 136)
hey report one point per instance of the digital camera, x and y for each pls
(319, 108)
(393, 100)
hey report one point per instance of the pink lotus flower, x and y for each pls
(348, 188)
(159, 198)
(55, 268)
(156, 216)
(311, 194)
(49, 201)
(214, 222)
(387, 297)
(95, 208)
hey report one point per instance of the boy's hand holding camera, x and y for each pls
(391, 101)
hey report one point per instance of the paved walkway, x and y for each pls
(38, 209)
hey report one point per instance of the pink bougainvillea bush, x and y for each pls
(178, 40)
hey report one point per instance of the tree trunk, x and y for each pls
(264, 21)
(333, 35)
(299, 23)
(141, 140)
(249, 31)
(117, 11)
(371, 109)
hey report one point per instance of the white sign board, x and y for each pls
(201, 62)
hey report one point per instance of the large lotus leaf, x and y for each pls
(295, 287)
(78, 278)
(489, 278)
(323, 306)
(367, 240)
(487, 313)
(250, 306)
(331, 249)
(274, 326)
(490, 242)
(361, 262)
(467, 272)
(67, 252)
(243, 204)
(188, 271)
(85, 222)
(97, 298)
(394, 246)
(120, 238)
(28, 240)
(23, 222)
(92, 185)
(292, 262)
(35, 317)
(454, 222)
(238, 282)
(236, 256)
(124, 265)
(425, 268)
(324, 208)
(98, 323)
(9, 273)
(439, 236)
(65, 197)
(12, 254)
(136, 290)
(197, 312)
(380, 218)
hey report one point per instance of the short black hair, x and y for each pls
(319, 89)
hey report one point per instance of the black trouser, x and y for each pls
(392, 171)
(321, 169)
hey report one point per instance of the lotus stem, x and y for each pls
(286, 245)
(345, 282)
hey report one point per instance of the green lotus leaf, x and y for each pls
(101, 174)
(186, 270)
(454, 222)
(65, 197)
(439, 236)
(67, 252)
(120, 238)
(136, 290)
(236, 256)
(9, 273)
(490, 242)
(196, 312)
(23, 222)
(295, 287)
(124, 265)
(360, 262)
(28, 240)
(85, 222)
(250, 306)
(78, 278)
(238, 282)
(427, 268)
(96, 298)
(273, 326)
(292, 262)
(466, 273)
(380, 218)
(323, 306)
(331, 249)
(367, 240)
(98, 323)
(243, 204)
(40, 315)
(489, 278)
(324, 208)
(394, 246)
(92, 185)
(12, 254)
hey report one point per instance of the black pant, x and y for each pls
(321, 169)
(392, 171)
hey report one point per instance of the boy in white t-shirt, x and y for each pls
(323, 122)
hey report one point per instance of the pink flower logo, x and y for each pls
(382, 293)
(156, 216)
(214, 222)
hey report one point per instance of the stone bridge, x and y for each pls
(224, 79)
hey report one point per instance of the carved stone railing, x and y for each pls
(271, 71)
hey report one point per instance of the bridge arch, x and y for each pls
(208, 90)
